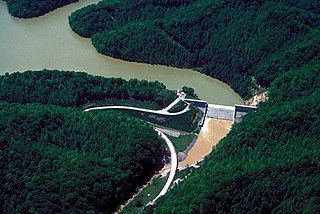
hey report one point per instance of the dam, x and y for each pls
(224, 112)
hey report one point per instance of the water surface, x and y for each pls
(212, 132)
(48, 42)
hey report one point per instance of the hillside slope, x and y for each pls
(269, 162)
(238, 42)
(55, 158)
(34, 8)
(75, 89)
(62, 160)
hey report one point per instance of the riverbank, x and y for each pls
(48, 42)
(211, 133)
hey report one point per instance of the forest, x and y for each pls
(56, 158)
(270, 162)
(242, 43)
(34, 8)
(79, 89)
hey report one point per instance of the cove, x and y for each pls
(48, 42)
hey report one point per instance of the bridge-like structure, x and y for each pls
(234, 113)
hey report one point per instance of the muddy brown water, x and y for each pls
(210, 135)
(48, 42)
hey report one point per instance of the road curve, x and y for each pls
(173, 154)
(161, 112)
(174, 165)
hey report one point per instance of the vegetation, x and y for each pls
(75, 89)
(269, 162)
(123, 102)
(145, 196)
(34, 8)
(58, 160)
(187, 121)
(178, 107)
(231, 40)
(182, 142)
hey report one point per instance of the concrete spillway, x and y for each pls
(220, 112)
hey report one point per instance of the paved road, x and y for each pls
(181, 97)
(174, 165)
(173, 154)
(161, 112)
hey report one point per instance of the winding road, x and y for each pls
(164, 111)
(174, 165)
(161, 112)
(173, 154)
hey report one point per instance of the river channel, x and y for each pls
(48, 42)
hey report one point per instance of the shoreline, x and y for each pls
(210, 135)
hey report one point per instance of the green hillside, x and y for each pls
(269, 162)
(62, 160)
(78, 89)
(242, 43)
(55, 158)
(34, 8)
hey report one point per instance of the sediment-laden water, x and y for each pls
(48, 42)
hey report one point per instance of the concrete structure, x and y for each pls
(164, 111)
(234, 113)
(197, 103)
(220, 112)
(240, 111)
(200, 104)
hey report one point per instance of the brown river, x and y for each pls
(48, 42)
(212, 132)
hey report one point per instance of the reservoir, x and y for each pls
(48, 42)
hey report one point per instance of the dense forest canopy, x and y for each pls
(73, 89)
(269, 163)
(62, 160)
(56, 158)
(242, 43)
(34, 8)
